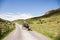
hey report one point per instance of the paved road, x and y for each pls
(21, 34)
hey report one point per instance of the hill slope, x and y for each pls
(5, 27)
(52, 13)
(48, 24)
(19, 21)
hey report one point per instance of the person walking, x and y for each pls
(26, 25)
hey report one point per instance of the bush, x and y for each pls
(57, 37)
(30, 22)
(5, 28)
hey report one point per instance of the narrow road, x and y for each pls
(21, 34)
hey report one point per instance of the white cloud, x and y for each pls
(12, 16)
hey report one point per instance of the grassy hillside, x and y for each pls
(20, 21)
(5, 27)
(48, 24)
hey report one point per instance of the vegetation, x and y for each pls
(19, 21)
(48, 24)
(5, 27)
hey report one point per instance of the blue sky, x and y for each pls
(23, 9)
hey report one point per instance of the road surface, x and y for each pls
(22, 34)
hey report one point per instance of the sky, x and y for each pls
(23, 9)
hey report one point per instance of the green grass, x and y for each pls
(50, 30)
(19, 21)
(5, 28)
(49, 27)
(6, 34)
